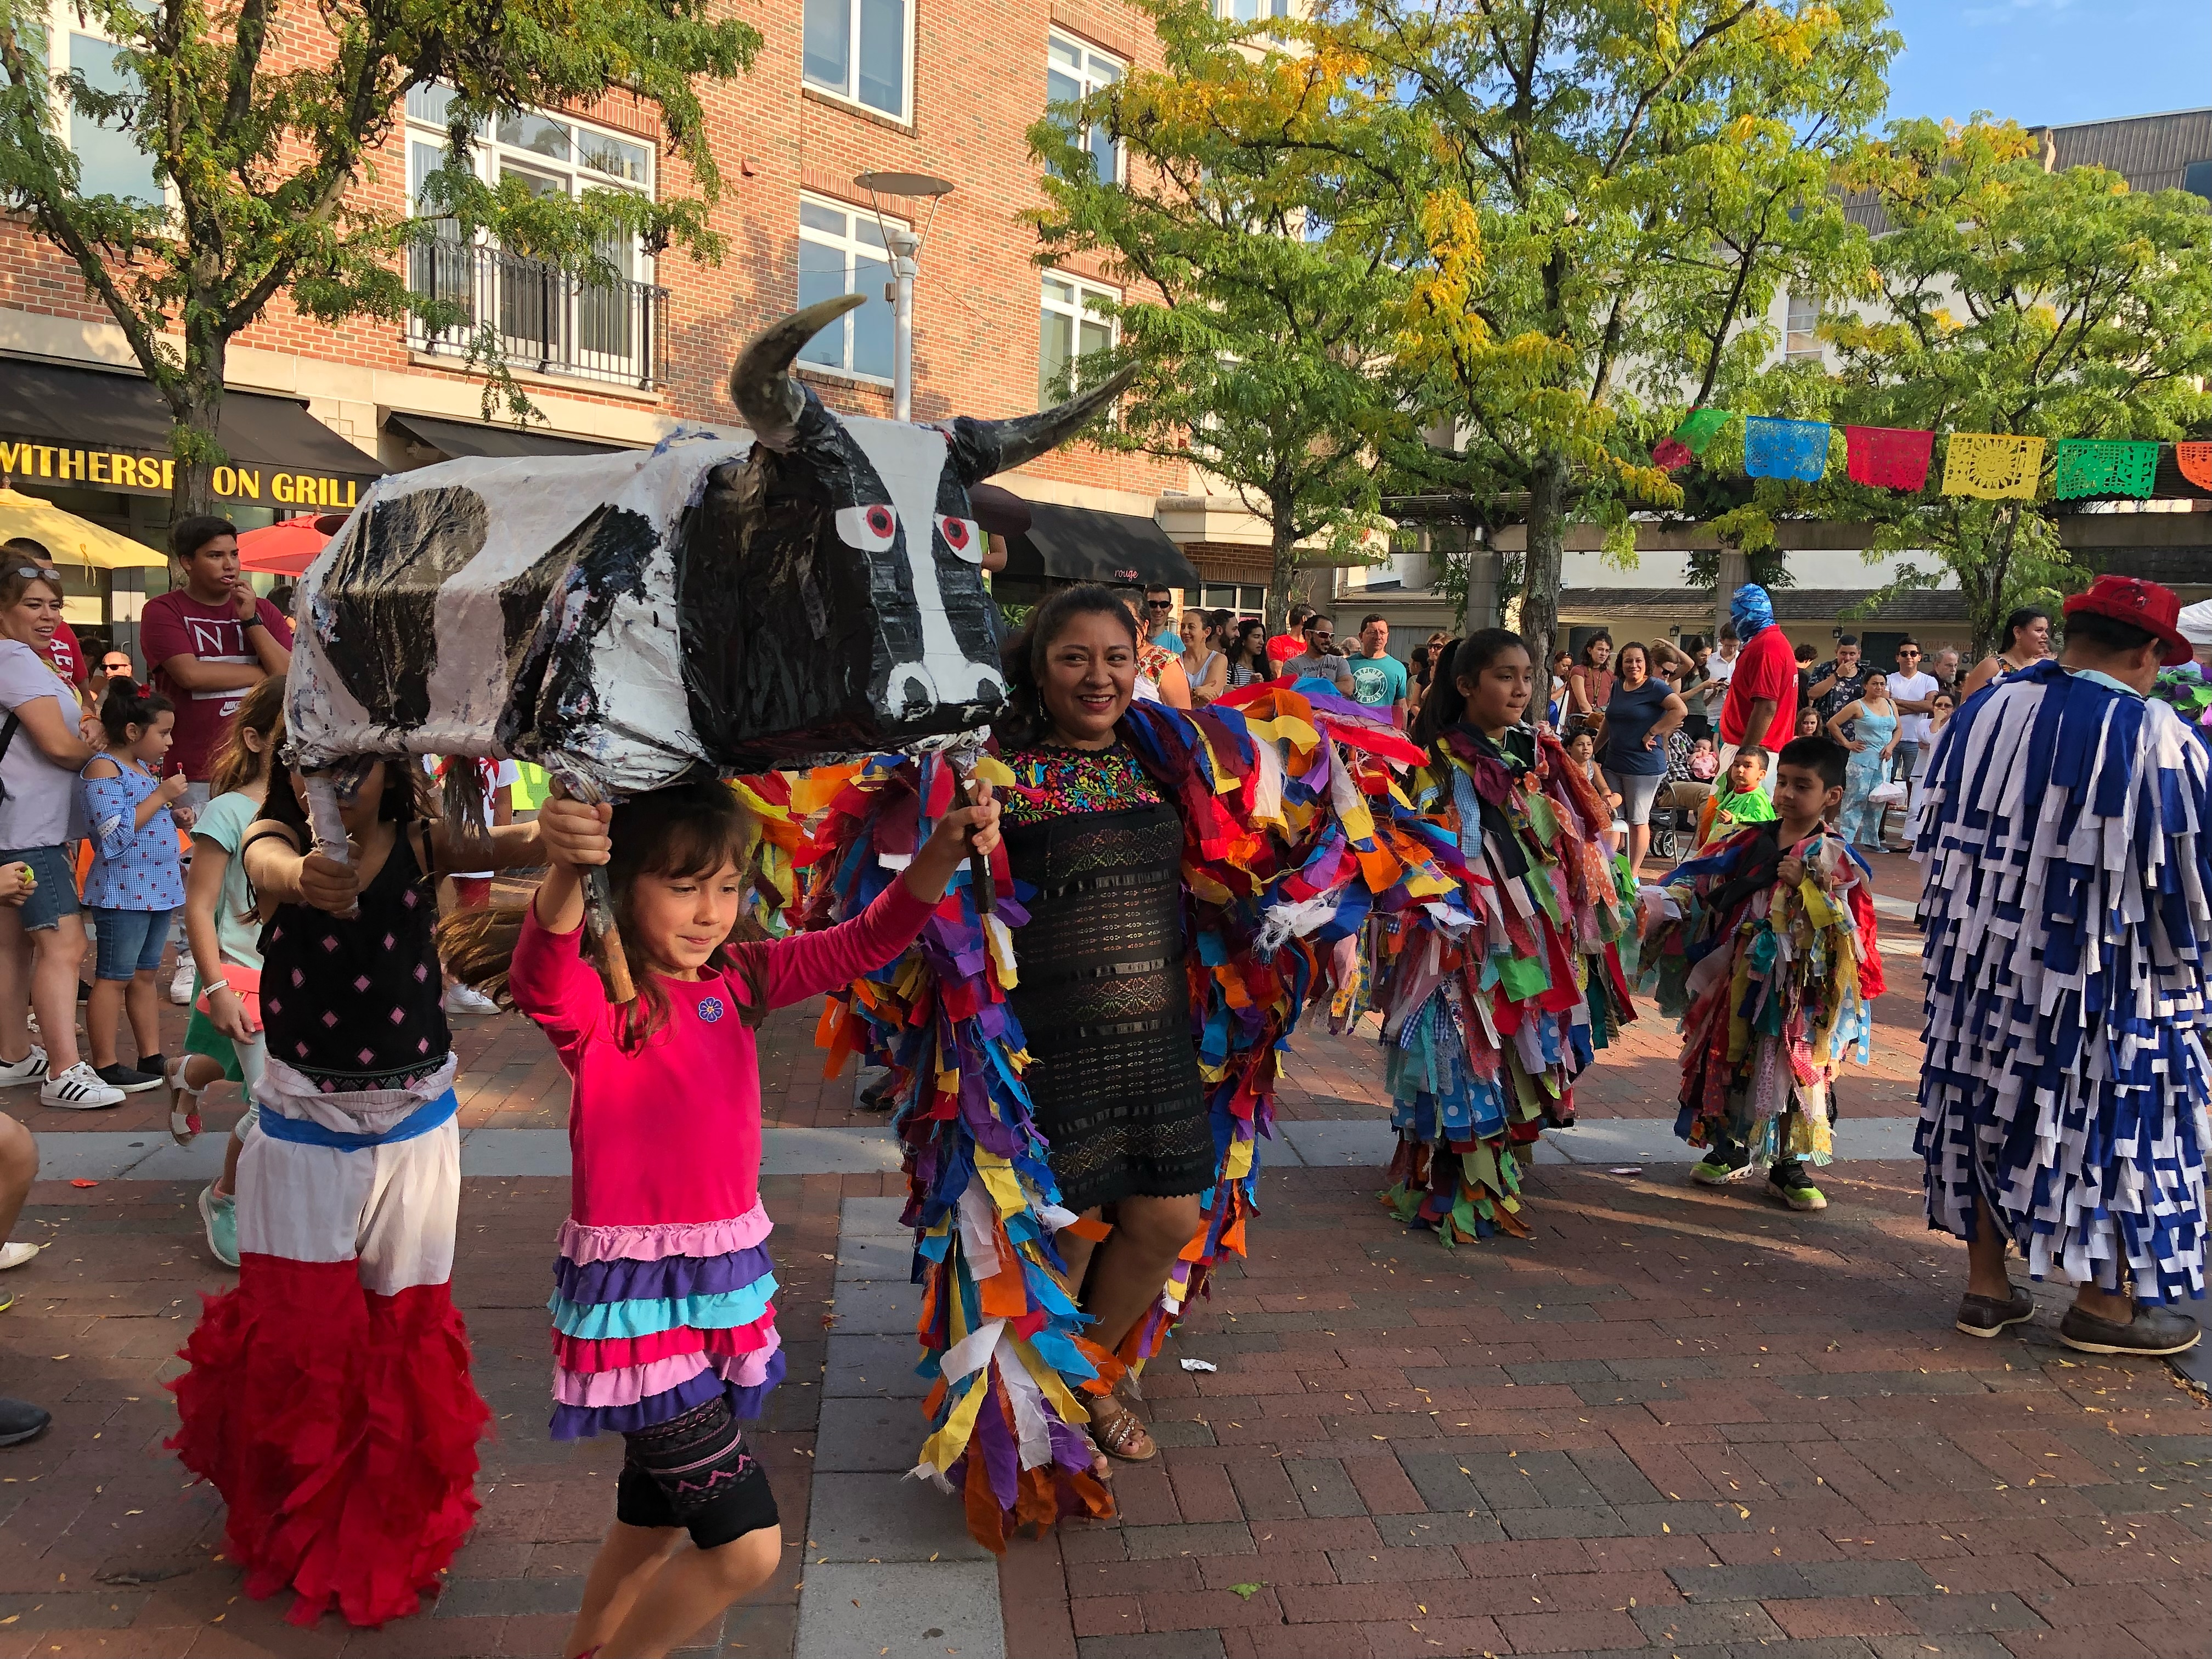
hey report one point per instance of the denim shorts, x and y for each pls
(130, 942)
(56, 896)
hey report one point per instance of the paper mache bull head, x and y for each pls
(712, 605)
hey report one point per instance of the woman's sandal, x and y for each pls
(1122, 1435)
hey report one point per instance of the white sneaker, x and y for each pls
(32, 1068)
(180, 982)
(79, 1090)
(14, 1255)
(467, 999)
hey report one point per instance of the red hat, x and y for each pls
(2131, 599)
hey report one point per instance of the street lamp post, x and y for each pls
(904, 246)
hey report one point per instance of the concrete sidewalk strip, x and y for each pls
(923, 1611)
(874, 1365)
(149, 1155)
(877, 1435)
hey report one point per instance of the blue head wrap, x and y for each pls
(1751, 610)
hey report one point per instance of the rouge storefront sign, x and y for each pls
(113, 469)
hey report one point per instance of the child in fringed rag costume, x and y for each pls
(1259, 806)
(1497, 992)
(2068, 908)
(1769, 958)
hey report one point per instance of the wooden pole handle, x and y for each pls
(599, 913)
(624, 989)
(979, 878)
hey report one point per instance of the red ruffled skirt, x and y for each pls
(341, 1428)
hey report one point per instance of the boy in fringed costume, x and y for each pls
(2062, 1096)
(1497, 992)
(1767, 954)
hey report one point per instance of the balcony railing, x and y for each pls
(547, 320)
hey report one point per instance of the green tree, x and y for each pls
(1264, 323)
(2003, 298)
(1597, 201)
(260, 154)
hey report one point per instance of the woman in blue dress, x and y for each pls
(1868, 728)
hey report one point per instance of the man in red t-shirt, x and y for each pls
(1760, 710)
(207, 643)
(1284, 646)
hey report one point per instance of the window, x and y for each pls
(1071, 328)
(841, 251)
(858, 49)
(547, 319)
(1244, 599)
(2196, 178)
(1800, 341)
(1073, 72)
(1250, 11)
(108, 159)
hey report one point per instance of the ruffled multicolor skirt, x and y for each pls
(649, 1322)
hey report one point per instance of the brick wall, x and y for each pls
(979, 83)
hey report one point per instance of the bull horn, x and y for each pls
(760, 380)
(1022, 438)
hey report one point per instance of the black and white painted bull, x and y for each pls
(714, 604)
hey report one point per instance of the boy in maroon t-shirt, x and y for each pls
(209, 643)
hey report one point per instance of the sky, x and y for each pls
(2051, 61)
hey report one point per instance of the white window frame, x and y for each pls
(854, 246)
(904, 113)
(1085, 288)
(1091, 61)
(61, 23)
(487, 153)
(1801, 345)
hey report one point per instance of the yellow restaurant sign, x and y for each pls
(114, 470)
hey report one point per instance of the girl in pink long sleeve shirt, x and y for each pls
(664, 1324)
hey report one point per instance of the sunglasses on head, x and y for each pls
(33, 573)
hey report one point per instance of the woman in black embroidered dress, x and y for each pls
(1103, 1000)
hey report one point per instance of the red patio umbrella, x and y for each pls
(288, 547)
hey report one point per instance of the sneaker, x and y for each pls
(19, 1420)
(1790, 1183)
(467, 999)
(219, 1215)
(80, 1089)
(32, 1068)
(184, 1103)
(1720, 1166)
(2153, 1333)
(14, 1254)
(1990, 1315)
(129, 1079)
(180, 982)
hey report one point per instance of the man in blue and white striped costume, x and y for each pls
(2067, 907)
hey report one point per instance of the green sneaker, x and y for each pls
(1790, 1184)
(1720, 1167)
(220, 1217)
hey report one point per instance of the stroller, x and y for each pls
(1674, 810)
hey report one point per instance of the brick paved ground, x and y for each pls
(1675, 1421)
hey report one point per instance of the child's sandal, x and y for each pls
(184, 1103)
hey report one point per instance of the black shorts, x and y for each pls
(696, 1472)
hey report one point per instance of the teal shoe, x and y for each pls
(220, 1217)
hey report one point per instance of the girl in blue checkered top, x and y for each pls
(137, 876)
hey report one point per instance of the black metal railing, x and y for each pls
(546, 320)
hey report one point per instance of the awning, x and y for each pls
(98, 430)
(1078, 544)
(454, 439)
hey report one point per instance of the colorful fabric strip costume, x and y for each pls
(1772, 988)
(1496, 993)
(1276, 838)
(2068, 909)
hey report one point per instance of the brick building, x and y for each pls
(840, 87)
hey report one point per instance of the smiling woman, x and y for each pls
(1104, 997)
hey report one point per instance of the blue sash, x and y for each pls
(304, 1132)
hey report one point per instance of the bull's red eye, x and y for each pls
(872, 529)
(963, 536)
